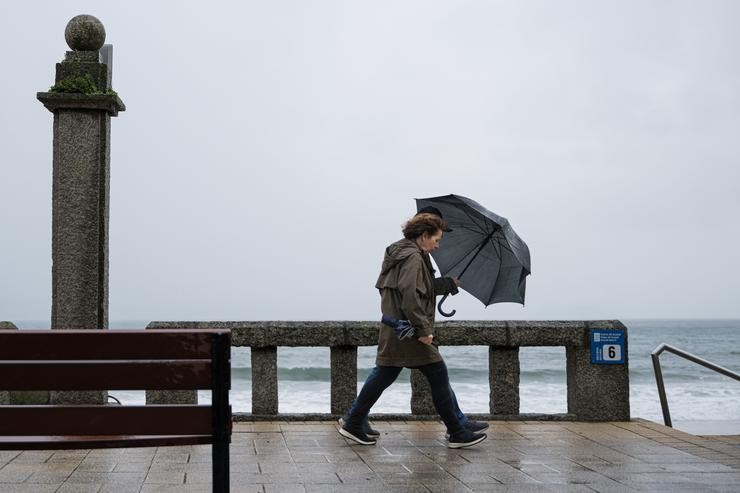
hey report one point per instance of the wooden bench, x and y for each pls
(118, 360)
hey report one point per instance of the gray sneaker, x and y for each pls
(366, 428)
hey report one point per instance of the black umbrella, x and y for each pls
(483, 248)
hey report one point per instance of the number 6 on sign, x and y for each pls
(612, 352)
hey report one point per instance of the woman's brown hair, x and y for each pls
(423, 223)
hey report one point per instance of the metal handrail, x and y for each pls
(693, 358)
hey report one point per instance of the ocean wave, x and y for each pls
(544, 375)
(323, 374)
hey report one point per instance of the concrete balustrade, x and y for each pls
(594, 392)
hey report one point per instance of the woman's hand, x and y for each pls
(426, 339)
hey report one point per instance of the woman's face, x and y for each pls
(428, 243)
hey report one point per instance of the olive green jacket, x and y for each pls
(406, 292)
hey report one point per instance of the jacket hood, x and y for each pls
(398, 252)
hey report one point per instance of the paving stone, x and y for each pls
(11, 473)
(79, 488)
(315, 458)
(366, 488)
(71, 456)
(388, 468)
(134, 466)
(573, 478)
(284, 488)
(29, 488)
(108, 477)
(48, 477)
(612, 487)
(120, 488)
(341, 467)
(518, 488)
(165, 477)
(730, 488)
(354, 478)
(673, 487)
(101, 466)
(570, 488)
(33, 457)
(190, 488)
(714, 477)
(651, 478)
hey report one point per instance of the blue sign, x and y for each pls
(607, 347)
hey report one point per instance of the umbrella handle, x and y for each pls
(442, 312)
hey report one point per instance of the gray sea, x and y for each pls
(695, 394)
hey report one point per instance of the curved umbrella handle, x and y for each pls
(442, 312)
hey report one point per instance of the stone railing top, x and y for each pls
(53, 101)
(511, 333)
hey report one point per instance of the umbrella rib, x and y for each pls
(484, 228)
(498, 242)
(493, 288)
(463, 257)
(504, 245)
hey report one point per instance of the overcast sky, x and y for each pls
(271, 150)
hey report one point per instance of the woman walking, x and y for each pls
(407, 292)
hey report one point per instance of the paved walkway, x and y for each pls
(291, 457)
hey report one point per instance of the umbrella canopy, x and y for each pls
(482, 250)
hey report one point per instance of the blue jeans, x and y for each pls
(374, 375)
(381, 377)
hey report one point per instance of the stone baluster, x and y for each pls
(264, 380)
(421, 394)
(343, 378)
(503, 375)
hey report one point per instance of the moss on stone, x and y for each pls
(81, 84)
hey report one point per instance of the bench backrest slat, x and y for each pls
(105, 420)
(105, 344)
(108, 375)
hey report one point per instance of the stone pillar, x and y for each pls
(596, 392)
(503, 375)
(421, 394)
(343, 378)
(82, 103)
(264, 380)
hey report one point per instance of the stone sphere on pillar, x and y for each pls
(85, 33)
